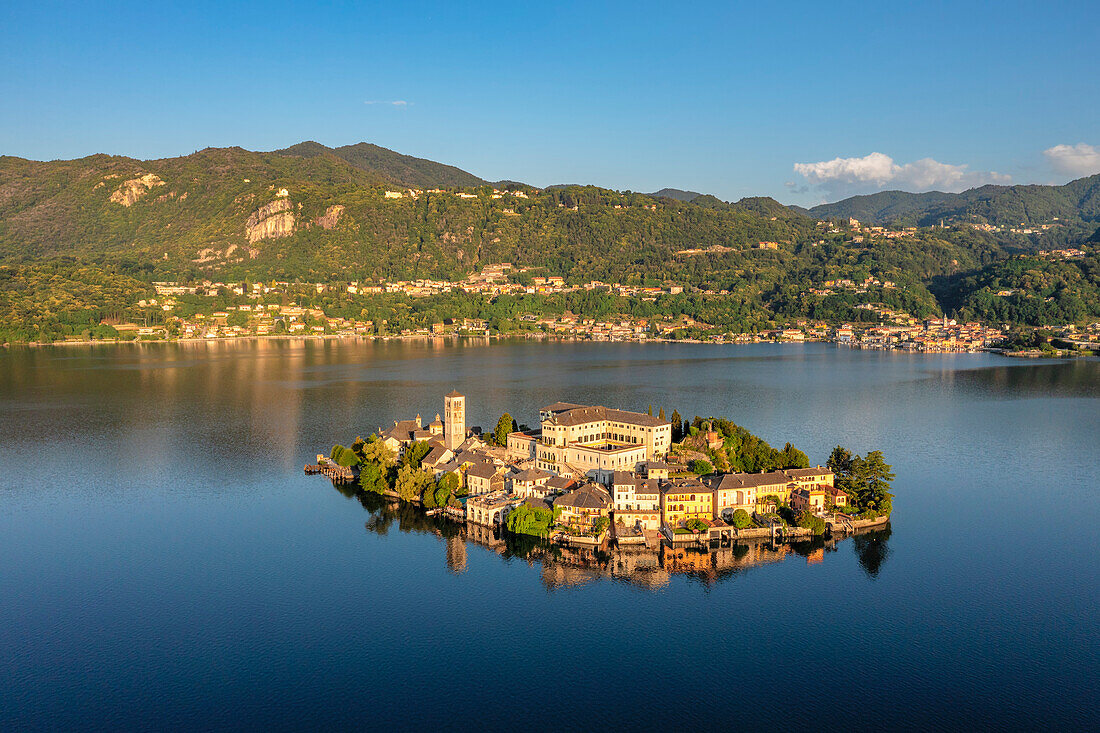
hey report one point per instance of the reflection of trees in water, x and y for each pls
(872, 549)
(564, 566)
(1076, 378)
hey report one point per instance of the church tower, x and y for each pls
(454, 426)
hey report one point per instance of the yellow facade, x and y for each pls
(694, 503)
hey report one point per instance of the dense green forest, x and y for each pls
(82, 240)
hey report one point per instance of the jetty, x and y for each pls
(329, 468)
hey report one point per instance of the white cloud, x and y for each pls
(1074, 160)
(877, 172)
(392, 103)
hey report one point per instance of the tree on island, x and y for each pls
(373, 450)
(701, 467)
(661, 414)
(411, 482)
(373, 479)
(866, 480)
(344, 456)
(741, 519)
(439, 494)
(793, 458)
(504, 426)
(600, 525)
(677, 427)
(415, 453)
(530, 520)
(696, 525)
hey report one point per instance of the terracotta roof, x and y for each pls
(582, 415)
(588, 496)
(435, 455)
(747, 480)
(560, 407)
(532, 474)
(682, 486)
(561, 483)
(620, 478)
(454, 393)
(807, 472)
(482, 470)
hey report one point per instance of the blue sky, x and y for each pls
(723, 98)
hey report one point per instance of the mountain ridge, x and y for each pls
(988, 204)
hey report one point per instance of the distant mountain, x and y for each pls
(1028, 204)
(767, 206)
(404, 170)
(81, 239)
(675, 193)
(884, 207)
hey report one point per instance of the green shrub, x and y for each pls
(741, 519)
(807, 520)
(701, 467)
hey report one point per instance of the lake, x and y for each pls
(166, 564)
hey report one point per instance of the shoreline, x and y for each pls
(508, 336)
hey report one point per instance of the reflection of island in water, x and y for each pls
(563, 567)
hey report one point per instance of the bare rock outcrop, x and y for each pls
(270, 221)
(133, 189)
(331, 217)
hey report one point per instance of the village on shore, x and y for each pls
(261, 318)
(593, 476)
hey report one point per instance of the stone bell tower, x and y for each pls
(454, 421)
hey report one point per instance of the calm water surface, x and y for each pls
(165, 564)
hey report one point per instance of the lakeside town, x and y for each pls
(600, 478)
(276, 309)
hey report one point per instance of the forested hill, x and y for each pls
(998, 205)
(320, 214)
(404, 170)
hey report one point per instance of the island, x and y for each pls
(598, 477)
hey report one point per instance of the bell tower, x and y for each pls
(454, 425)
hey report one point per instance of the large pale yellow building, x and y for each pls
(592, 441)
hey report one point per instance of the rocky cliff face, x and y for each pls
(133, 189)
(270, 221)
(331, 217)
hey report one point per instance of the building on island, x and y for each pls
(530, 483)
(484, 478)
(491, 509)
(579, 508)
(805, 498)
(454, 431)
(683, 499)
(589, 462)
(582, 440)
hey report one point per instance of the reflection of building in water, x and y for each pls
(456, 554)
(686, 560)
(488, 537)
(650, 567)
(639, 566)
(561, 575)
